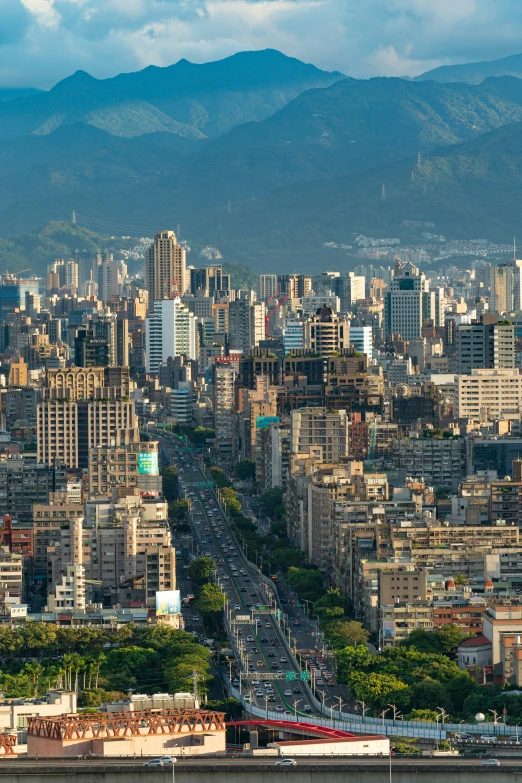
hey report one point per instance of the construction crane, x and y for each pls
(11, 275)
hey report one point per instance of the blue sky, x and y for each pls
(42, 41)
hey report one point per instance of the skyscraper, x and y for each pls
(266, 287)
(246, 323)
(170, 331)
(165, 268)
(409, 302)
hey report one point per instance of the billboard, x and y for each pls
(148, 463)
(264, 422)
(388, 629)
(168, 602)
(18, 610)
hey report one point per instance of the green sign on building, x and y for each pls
(148, 463)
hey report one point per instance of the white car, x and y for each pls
(164, 761)
(488, 738)
(288, 692)
(237, 608)
(279, 708)
(491, 763)
(286, 763)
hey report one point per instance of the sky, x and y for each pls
(43, 41)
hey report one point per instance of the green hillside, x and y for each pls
(58, 239)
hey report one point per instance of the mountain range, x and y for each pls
(474, 73)
(264, 156)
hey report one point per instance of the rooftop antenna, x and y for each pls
(412, 177)
(419, 159)
(383, 193)
(74, 217)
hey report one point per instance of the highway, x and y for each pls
(259, 640)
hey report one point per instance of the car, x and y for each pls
(319, 681)
(286, 763)
(237, 608)
(271, 655)
(246, 697)
(242, 589)
(247, 579)
(460, 735)
(235, 573)
(296, 622)
(288, 692)
(259, 694)
(296, 690)
(250, 638)
(275, 665)
(283, 659)
(195, 619)
(164, 761)
(253, 650)
(207, 554)
(279, 708)
(307, 708)
(488, 739)
(491, 763)
(268, 625)
(271, 698)
(249, 605)
(513, 738)
(264, 640)
(251, 667)
(259, 663)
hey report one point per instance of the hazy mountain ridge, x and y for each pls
(209, 98)
(475, 73)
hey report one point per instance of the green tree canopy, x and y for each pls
(210, 600)
(170, 482)
(246, 470)
(200, 570)
(347, 632)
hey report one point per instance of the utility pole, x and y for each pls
(74, 217)
(383, 193)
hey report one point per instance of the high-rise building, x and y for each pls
(409, 302)
(485, 344)
(112, 274)
(266, 287)
(224, 373)
(71, 274)
(90, 351)
(350, 289)
(295, 286)
(170, 331)
(83, 408)
(326, 332)
(361, 339)
(209, 280)
(293, 335)
(165, 268)
(502, 287)
(246, 323)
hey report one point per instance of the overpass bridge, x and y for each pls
(256, 770)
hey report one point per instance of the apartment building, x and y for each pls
(326, 332)
(399, 620)
(488, 394)
(128, 464)
(24, 482)
(327, 432)
(485, 344)
(48, 521)
(440, 462)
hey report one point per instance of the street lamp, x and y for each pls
(395, 711)
(295, 706)
(383, 715)
(516, 730)
(363, 707)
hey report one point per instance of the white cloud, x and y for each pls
(42, 41)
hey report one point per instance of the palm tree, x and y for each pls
(100, 660)
(34, 671)
(68, 664)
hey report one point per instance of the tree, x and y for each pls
(449, 638)
(378, 690)
(307, 582)
(178, 510)
(431, 694)
(421, 640)
(348, 632)
(285, 557)
(200, 570)
(210, 600)
(34, 671)
(423, 715)
(272, 502)
(170, 482)
(246, 470)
